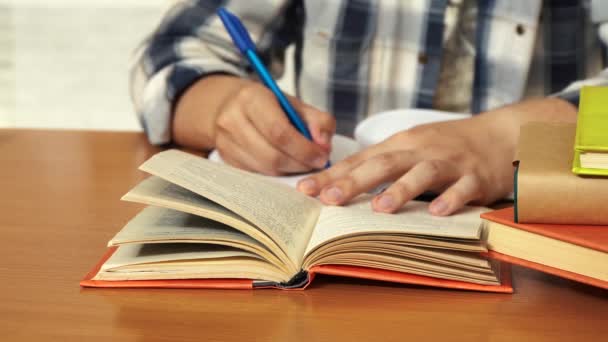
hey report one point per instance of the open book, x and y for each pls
(211, 225)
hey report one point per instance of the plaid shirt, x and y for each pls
(356, 57)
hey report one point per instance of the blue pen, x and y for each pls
(243, 42)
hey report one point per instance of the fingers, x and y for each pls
(432, 157)
(257, 127)
(262, 157)
(426, 175)
(466, 189)
(232, 154)
(413, 176)
(321, 124)
(266, 115)
(313, 185)
(369, 174)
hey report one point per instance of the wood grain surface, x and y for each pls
(59, 206)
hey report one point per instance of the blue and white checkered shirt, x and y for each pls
(354, 58)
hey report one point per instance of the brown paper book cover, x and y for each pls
(546, 189)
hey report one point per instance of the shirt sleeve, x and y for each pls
(572, 92)
(190, 43)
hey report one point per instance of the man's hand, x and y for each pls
(249, 128)
(465, 160)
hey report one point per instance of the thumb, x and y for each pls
(321, 125)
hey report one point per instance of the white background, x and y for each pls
(64, 63)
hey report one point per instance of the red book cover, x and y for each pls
(590, 236)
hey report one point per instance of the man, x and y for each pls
(359, 57)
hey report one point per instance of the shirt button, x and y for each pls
(423, 58)
(520, 29)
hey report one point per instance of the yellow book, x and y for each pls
(591, 142)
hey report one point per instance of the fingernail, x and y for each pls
(320, 162)
(385, 203)
(309, 186)
(438, 207)
(333, 194)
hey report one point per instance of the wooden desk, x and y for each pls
(60, 205)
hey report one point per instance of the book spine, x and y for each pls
(300, 280)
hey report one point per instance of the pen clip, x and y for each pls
(237, 31)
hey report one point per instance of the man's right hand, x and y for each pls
(243, 120)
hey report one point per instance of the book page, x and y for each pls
(158, 192)
(186, 261)
(455, 258)
(148, 253)
(286, 215)
(413, 219)
(155, 225)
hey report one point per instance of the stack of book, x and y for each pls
(559, 223)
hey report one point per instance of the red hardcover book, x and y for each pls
(576, 252)
(213, 226)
